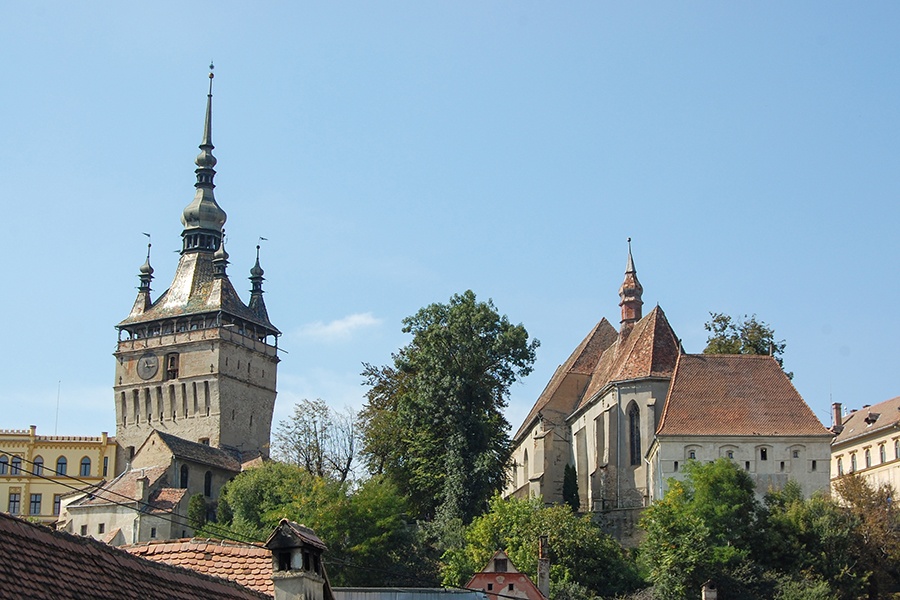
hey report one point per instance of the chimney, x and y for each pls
(837, 422)
(543, 574)
(143, 488)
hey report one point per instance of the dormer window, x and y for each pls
(284, 561)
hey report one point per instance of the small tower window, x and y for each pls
(172, 365)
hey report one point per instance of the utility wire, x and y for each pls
(93, 489)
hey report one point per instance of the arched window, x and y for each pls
(85, 470)
(896, 448)
(840, 466)
(882, 453)
(692, 454)
(853, 463)
(634, 430)
(61, 464)
(525, 467)
(868, 458)
(207, 484)
(184, 476)
(38, 464)
(4, 465)
(15, 466)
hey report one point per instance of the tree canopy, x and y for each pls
(433, 421)
(319, 439)
(743, 335)
(582, 556)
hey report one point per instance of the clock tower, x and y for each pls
(197, 362)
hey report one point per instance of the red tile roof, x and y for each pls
(582, 361)
(650, 350)
(124, 487)
(734, 394)
(247, 564)
(870, 419)
(43, 564)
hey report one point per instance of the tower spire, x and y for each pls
(203, 218)
(257, 304)
(630, 295)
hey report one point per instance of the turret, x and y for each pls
(630, 294)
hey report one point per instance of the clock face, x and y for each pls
(147, 366)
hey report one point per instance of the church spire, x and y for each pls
(203, 218)
(630, 294)
(257, 305)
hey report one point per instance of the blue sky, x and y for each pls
(397, 153)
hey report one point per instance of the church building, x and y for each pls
(612, 412)
(195, 369)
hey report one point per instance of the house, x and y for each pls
(500, 579)
(867, 442)
(743, 408)
(603, 413)
(38, 471)
(48, 565)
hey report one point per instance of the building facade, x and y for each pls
(867, 442)
(742, 408)
(38, 471)
(603, 412)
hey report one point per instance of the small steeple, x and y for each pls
(630, 294)
(143, 302)
(220, 260)
(203, 218)
(257, 304)
(146, 270)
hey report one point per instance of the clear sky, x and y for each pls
(395, 153)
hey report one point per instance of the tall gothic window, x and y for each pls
(184, 477)
(634, 430)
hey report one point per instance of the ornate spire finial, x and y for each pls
(630, 294)
(203, 218)
(220, 260)
(146, 271)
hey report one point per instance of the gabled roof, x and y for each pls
(250, 565)
(650, 350)
(735, 394)
(199, 453)
(43, 564)
(870, 419)
(290, 534)
(488, 579)
(124, 488)
(582, 361)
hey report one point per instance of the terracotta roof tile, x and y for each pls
(250, 565)
(54, 565)
(650, 350)
(582, 361)
(734, 394)
(869, 420)
(124, 487)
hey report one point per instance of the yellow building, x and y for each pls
(36, 471)
(867, 443)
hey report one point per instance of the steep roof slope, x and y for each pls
(735, 394)
(650, 350)
(582, 361)
(53, 565)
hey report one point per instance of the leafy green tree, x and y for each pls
(705, 527)
(197, 511)
(369, 540)
(319, 439)
(570, 488)
(744, 335)
(581, 554)
(434, 419)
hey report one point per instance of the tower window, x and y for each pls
(172, 365)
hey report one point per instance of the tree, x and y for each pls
(582, 556)
(745, 335)
(320, 440)
(433, 422)
(197, 511)
(366, 531)
(570, 488)
(706, 526)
